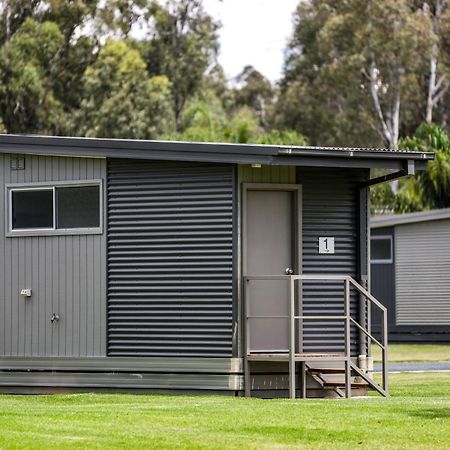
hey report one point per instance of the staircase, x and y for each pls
(333, 379)
(334, 373)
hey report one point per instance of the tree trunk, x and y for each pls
(431, 84)
(389, 123)
(436, 87)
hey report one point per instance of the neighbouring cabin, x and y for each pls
(410, 266)
(170, 266)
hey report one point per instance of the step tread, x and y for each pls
(326, 370)
(342, 384)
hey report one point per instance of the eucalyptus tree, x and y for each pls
(27, 100)
(255, 91)
(353, 70)
(439, 58)
(120, 99)
(182, 44)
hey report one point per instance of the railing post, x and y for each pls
(291, 338)
(247, 377)
(385, 349)
(348, 382)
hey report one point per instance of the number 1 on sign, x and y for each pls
(326, 245)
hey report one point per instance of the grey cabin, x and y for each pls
(194, 267)
(410, 267)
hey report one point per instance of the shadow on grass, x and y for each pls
(295, 434)
(432, 413)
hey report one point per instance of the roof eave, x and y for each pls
(207, 152)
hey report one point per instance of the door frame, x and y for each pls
(297, 237)
(297, 228)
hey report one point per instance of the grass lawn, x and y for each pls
(416, 416)
(415, 352)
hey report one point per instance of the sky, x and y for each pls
(254, 32)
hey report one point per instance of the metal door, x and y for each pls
(271, 236)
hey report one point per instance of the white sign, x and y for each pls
(326, 245)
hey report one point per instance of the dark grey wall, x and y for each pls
(420, 268)
(66, 273)
(170, 259)
(382, 283)
(330, 209)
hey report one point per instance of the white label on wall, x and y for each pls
(326, 245)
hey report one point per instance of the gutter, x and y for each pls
(351, 153)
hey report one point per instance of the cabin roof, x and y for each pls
(404, 219)
(213, 152)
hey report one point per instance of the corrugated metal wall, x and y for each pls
(66, 273)
(330, 209)
(170, 258)
(422, 273)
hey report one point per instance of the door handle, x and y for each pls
(288, 271)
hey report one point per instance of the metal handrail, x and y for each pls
(348, 282)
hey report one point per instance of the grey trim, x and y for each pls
(209, 152)
(236, 259)
(122, 380)
(125, 364)
(402, 219)
(363, 265)
(388, 177)
(50, 185)
(351, 152)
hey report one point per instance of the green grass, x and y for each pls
(416, 416)
(415, 352)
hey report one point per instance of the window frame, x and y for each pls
(391, 244)
(39, 186)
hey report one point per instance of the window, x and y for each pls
(57, 209)
(78, 207)
(32, 209)
(381, 250)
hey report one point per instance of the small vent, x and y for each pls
(17, 162)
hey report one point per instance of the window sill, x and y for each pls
(75, 232)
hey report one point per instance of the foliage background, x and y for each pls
(364, 73)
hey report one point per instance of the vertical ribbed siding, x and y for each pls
(422, 273)
(170, 258)
(330, 208)
(67, 274)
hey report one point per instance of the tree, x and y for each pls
(428, 189)
(254, 91)
(13, 14)
(41, 80)
(320, 91)
(438, 81)
(120, 100)
(355, 62)
(119, 16)
(27, 101)
(392, 40)
(182, 45)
